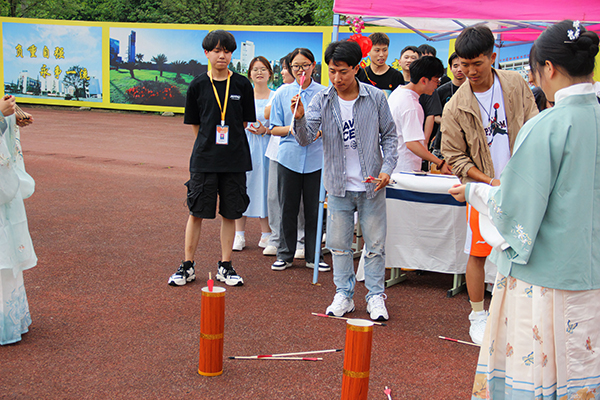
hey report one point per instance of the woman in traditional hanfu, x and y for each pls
(542, 339)
(16, 249)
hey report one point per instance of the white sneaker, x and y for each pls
(376, 308)
(280, 265)
(270, 251)
(340, 305)
(239, 243)
(323, 267)
(264, 242)
(299, 254)
(477, 329)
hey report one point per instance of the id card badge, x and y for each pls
(222, 134)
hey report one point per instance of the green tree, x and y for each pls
(139, 58)
(160, 60)
(75, 78)
(179, 66)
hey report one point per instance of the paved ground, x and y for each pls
(107, 221)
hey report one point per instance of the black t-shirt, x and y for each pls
(444, 93)
(388, 81)
(201, 108)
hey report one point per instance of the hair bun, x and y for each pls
(588, 41)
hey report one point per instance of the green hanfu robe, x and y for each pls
(542, 336)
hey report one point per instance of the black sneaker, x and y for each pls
(185, 273)
(227, 274)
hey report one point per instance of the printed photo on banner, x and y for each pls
(154, 66)
(274, 46)
(58, 62)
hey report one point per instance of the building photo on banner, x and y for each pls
(52, 62)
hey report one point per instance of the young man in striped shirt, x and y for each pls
(357, 127)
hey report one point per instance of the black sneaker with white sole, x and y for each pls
(227, 274)
(185, 273)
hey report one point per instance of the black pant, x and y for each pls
(291, 187)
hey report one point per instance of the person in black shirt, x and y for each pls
(444, 93)
(219, 105)
(379, 74)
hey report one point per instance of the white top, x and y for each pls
(353, 172)
(408, 116)
(493, 118)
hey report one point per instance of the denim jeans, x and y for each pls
(340, 232)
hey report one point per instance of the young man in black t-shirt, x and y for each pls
(379, 74)
(445, 93)
(219, 105)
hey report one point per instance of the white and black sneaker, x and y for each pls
(227, 274)
(185, 273)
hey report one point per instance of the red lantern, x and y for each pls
(364, 43)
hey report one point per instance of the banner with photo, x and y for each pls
(43, 62)
(145, 67)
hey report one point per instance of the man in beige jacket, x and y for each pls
(479, 127)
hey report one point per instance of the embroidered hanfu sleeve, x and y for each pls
(518, 206)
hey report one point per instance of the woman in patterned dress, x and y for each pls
(542, 339)
(16, 249)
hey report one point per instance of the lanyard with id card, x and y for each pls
(222, 131)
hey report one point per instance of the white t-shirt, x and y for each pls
(408, 116)
(353, 172)
(493, 118)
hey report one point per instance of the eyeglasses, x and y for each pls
(301, 67)
(263, 70)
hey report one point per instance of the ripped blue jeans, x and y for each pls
(340, 232)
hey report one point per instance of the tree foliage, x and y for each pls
(220, 12)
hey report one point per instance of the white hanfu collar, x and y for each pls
(579, 88)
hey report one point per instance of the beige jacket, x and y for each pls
(464, 144)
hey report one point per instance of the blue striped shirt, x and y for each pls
(375, 133)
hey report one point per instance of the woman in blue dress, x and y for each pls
(542, 338)
(16, 249)
(260, 73)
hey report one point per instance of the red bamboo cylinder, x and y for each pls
(212, 326)
(357, 359)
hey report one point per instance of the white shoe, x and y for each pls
(264, 242)
(299, 254)
(239, 243)
(323, 267)
(270, 251)
(376, 308)
(280, 265)
(477, 329)
(340, 305)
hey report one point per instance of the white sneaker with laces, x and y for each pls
(478, 322)
(270, 251)
(376, 308)
(340, 305)
(239, 243)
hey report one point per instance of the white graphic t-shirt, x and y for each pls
(353, 172)
(493, 118)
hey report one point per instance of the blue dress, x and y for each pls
(257, 180)
(16, 249)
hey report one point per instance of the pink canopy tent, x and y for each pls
(516, 20)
